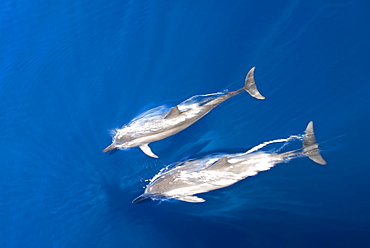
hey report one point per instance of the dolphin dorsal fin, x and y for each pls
(146, 149)
(190, 198)
(221, 163)
(174, 112)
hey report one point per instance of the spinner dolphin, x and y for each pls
(156, 125)
(192, 177)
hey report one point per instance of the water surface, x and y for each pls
(71, 71)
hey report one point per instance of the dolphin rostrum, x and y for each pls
(192, 177)
(155, 124)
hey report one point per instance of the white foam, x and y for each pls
(287, 140)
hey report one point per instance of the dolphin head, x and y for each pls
(141, 198)
(110, 147)
(118, 145)
(120, 140)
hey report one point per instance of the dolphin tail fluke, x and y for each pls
(250, 85)
(141, 198)
(310, 147)
(109, 148)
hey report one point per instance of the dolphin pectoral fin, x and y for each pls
(222, 163)
(250, 85)
(190, 198)
(174, 112)
(146, 149)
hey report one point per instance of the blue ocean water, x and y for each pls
(71, 71)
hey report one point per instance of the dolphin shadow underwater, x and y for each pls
(159, 123)
(195, 176)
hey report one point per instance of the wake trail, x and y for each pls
(286, 140)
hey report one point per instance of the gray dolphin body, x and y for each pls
(158, 125)
(203, 175)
